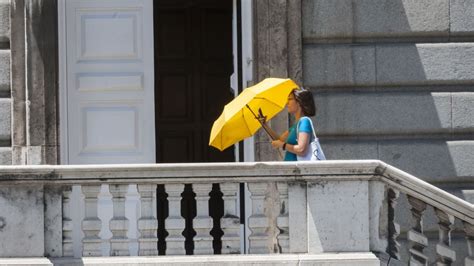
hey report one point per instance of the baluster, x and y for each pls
(393, 247)
(417, 240)
(469, 230)
(283, 219)
(175, 224)
(230, 222)
(91, 224)
(202, 223)
(119, 223)
(147, 224)
(67, 223)
(258, 222)
(446, 255)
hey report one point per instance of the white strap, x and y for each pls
(312, 127)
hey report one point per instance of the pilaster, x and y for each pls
(277, 53)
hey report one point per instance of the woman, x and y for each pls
(296, 141)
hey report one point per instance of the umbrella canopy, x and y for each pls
(238, 121)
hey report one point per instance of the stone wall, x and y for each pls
(5, 98)
(394, 80)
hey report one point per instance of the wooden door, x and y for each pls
(193, 64)
(110, 82)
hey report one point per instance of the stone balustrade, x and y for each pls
(298, 208)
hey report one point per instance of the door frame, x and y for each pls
(62, 84)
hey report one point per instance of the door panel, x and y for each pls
(193, 64)
(110, 81)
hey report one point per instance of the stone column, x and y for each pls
(175, 223)
(119, 223)
(18, 85)
(416, 239)
(91, 224)
(277, 53)
(283, 219)
(469, 229)
(258, 222)
(67, 223)
(393, 247)
(298, 217)
(446, 255)
(41, 82)
(147, 224)
(230, 222)
(202, 223)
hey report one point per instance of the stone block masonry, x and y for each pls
(4, 71)
(5, 121)
(4, 21)
(367, 19)
(388, 64)
(394, 80)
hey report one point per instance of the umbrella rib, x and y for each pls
(265, 99)
(271, 102)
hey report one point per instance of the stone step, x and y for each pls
(327, 259)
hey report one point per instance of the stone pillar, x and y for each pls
(258, 222)
(298, 217)
(277, 53)
(469, 230)
(147, 224)
(53, 226)
(230, 222)
(18, 85)
(202, 223)
(67, 223)
(91, 224)
(119, 223)
(393, 247)
(175, 223)
(283, 219)
(416, 239)
(22, 220)
(446, 255)
(41, 102)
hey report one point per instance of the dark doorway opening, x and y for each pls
(193, 64)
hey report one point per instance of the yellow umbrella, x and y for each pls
(238, 120)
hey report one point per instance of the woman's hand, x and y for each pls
(277, 144)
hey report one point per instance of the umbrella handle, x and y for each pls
(265, 127)
(269, 131)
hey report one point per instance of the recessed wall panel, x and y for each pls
(108, 34)
(99, 82)
(110, 129)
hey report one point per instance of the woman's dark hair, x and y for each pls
(305, 99)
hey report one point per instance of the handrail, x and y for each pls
(426, 192)
(242, 172)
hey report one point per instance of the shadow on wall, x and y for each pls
(398, 102)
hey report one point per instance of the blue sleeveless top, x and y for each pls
(304, 126)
